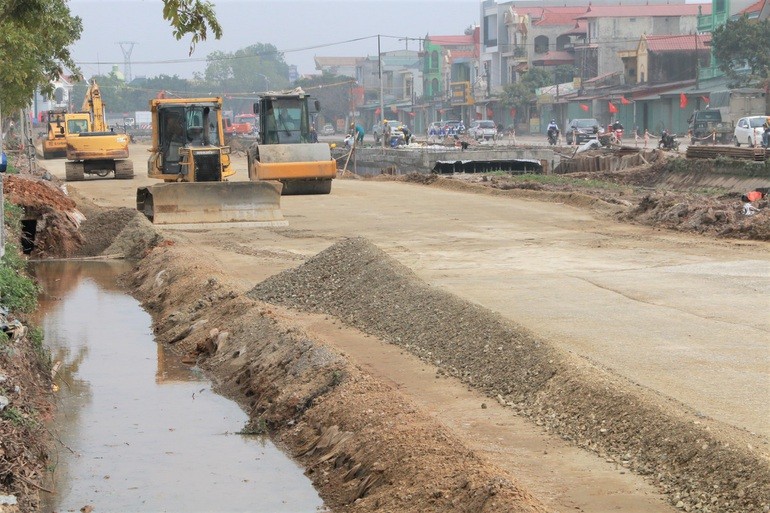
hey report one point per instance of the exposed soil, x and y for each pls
(367, 447)
(637, 195)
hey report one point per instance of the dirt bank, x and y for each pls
(364, 445)
(697, 462)
(666, 194)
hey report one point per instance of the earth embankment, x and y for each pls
(365, 446)
(695, 461)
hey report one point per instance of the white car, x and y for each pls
(749, 131)
(483, 129)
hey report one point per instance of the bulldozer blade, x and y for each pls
(258, 203)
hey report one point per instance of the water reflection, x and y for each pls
(140, 432)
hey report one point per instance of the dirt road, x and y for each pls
(682, 316)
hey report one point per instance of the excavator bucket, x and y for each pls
(302, 168)
(178, 203)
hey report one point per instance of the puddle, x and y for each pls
(137, 430)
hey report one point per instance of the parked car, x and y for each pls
(328, 130)
(749, 130)
(581, 130)
(483, 129)
(396, 128)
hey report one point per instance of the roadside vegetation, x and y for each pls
(25, 377)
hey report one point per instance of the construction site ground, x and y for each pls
(477, 343)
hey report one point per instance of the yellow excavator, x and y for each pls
(188, 153)
(55, 143)
(93, 149)
(285, 151)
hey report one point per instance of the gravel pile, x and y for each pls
(700, 465)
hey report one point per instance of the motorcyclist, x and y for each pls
(666, 140)
(552, 130)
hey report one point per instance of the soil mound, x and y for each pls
(53, 221)
(697, 462)
(117, 232)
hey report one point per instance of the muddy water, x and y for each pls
(137, 430)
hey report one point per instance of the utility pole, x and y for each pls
(697, 62)
(382, 100)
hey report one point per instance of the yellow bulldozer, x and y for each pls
(285, 150)
(55, 143)
(188, 153)
(93, 149)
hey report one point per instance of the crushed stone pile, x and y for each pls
(692, 460)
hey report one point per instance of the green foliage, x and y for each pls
(520, 95)
(564, 73)
(195, 17)
(255, 427)
(34, 47)
(17, 417)
(18, 292)
(36, 336)
(563, 180)
(740, 43)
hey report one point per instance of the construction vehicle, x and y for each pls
(188, 153)
(245, 125)
(91, 147)
(283, 151)
(55, 143)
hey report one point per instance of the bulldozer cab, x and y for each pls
(284, 119)
(182, 127)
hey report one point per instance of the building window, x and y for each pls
(434, 59)
(541, 44)
(434, 87)
(408, 86)
(490, 30)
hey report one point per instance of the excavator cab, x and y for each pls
(55, 145)
(188, 153)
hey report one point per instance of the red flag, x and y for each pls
(682, 100)
(613, 109)
(705, 99)
(377, 111)
(584, 107)
(624, 101)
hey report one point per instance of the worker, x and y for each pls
(748, 208)
(766, 133)
(359, 131)
(407, 134)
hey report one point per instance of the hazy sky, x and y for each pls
(301, 29)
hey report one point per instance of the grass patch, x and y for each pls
(588, 183)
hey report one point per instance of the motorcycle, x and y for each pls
(668, 141)
(553, 136)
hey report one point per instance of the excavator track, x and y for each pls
(74, 171)
(124, 169)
